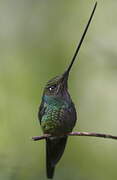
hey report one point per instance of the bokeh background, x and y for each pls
(37, 42)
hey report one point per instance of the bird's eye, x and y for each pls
(52, 87)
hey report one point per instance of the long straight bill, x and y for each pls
(81, 40)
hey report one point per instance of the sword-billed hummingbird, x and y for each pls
(57, 113)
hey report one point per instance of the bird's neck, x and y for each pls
(50, 99)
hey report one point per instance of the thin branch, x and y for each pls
(93, 134)
(37, 138)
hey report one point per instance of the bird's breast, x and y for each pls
(57, 119)
(51, 121)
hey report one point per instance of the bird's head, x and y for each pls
(58, 86)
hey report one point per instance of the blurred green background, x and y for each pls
(37, 42)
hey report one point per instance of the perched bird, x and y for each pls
(57, 113)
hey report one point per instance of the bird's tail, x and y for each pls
(54, 150)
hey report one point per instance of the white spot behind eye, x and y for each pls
(52, 87)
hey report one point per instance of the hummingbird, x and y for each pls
(57, 113)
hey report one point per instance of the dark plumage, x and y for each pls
(54, 150)
(57, 114)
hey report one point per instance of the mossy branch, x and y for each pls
(92, 134)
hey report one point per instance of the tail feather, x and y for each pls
(50, 170)
(54, 150)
